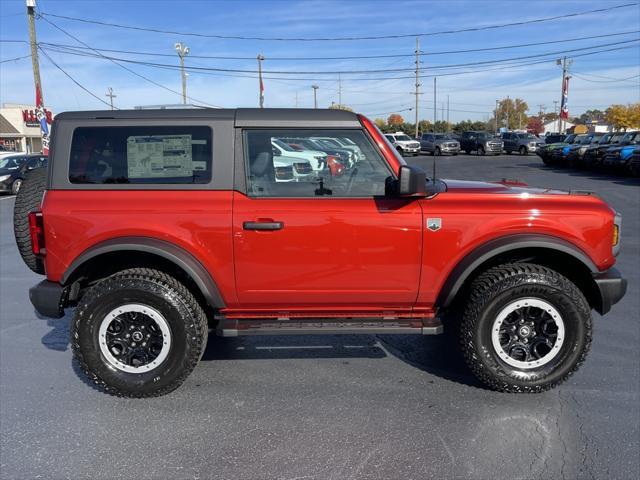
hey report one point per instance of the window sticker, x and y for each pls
(153, 156)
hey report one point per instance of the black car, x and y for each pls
(634, 163)
(481, 143)
(619, 156)
(575, 152)
(554, 138)
(14, 167)
(594, 154)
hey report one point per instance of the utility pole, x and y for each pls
(296, 99)
(507, 125)
(111, 96)
(496, 117)
(435, 108)
(261, 85)
(315, 97)
(339, 91)
(448, 124)
(182, 51)
(418, 80)
(31, 6)
(565, 63)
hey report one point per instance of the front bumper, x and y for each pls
(611, 288)
(48, 298)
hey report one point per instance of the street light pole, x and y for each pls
(182, 51)
(315, 97)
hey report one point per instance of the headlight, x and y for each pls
(4, 177)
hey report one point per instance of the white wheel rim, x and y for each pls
(147, 311)
(497, 329)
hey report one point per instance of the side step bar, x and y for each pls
(285, 326)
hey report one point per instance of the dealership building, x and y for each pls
(20, 129)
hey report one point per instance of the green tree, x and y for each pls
(380, 123)
(337, 106)
(511, 113)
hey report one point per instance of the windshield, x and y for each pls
(570, 138)
(283, 145)
(403, 138)
(631, 137)
(605, 139)
(11, 163)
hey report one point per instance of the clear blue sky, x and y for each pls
(472, 95)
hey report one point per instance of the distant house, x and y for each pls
(553, 127)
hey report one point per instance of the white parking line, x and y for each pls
(8, 198)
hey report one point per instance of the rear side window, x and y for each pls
(141, 155)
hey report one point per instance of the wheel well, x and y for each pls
(106, 264)
(563, 263)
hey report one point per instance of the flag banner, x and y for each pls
(564, 106)
(42, 120)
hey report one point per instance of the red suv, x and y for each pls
(158, 225)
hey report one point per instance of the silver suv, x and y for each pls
(404, 143)
(522, 143)
(439, 144)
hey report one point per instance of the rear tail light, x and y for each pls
(36, 231)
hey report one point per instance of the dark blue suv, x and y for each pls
(618, 157)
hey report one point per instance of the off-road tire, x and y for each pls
(29, 198)
(497, 287)
(187, 324)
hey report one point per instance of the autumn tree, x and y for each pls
(395, 119)
(513, 111)
(380, 123)
(623, 116)
(535, 126)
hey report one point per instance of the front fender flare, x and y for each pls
(465, 267)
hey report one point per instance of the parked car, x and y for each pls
(523, 143)
(545, 152)
(317, 159)
(403, 143)
(481, 143)
(13, 168)
(345, 156)
(574, 152)
(216, 243)
(439, 144)
(594, 154)
(554, 138)
(302, 168)
(559, 154)
(340, 142)
(634, 163)
(618, 157)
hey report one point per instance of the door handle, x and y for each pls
(263, 225)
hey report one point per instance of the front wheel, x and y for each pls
(481, 151)
(15, 188)
(138, 333)
(438, 152)
(523, 151)
(526, 328)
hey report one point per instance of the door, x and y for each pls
(335, 242)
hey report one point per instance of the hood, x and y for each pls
(513, 187)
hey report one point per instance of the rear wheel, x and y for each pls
(523, 150)
(29, 197)
(481, 151)
(138, 333)
(526, 328)
(438, 152)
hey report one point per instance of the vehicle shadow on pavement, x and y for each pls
(58, 337)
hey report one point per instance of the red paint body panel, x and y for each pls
(198, 221)
(348, 254)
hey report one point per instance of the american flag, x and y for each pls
(42, 118)
(564, 106)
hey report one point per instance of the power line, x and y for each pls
(356, 72)
(75, 81)
(15, 59)
(610, 80)
(124, 67)
(349, 57)
(334, 39)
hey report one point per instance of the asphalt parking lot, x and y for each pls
(358, 406)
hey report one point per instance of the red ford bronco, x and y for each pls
(157, 225)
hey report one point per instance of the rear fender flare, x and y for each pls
(175, 254)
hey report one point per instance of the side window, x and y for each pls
(390, 138)
(32, 163)
(141, 155)
(356, 169)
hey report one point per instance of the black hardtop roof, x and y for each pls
(242, 117)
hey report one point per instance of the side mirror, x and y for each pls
(412, 181)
